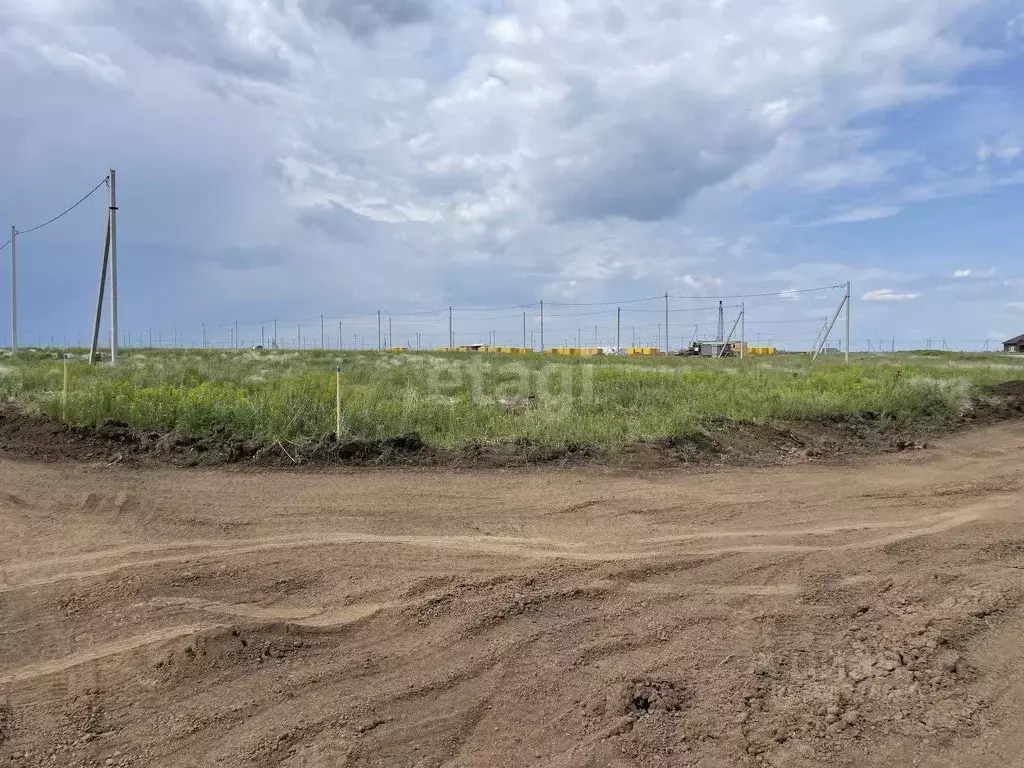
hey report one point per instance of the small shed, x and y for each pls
(1015, 344)
(711, 348)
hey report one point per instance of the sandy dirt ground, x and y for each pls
(859, 615)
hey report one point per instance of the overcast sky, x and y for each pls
(286, 158)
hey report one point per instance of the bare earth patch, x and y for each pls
(863, 615)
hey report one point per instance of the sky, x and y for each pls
(291, 158)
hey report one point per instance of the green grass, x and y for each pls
(454, 399)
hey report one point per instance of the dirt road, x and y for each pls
(865, 615)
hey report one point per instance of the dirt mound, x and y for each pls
(28, 436)
(642, 696)
(1014, 389)
(895, 668)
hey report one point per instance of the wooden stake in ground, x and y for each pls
(64, 396)
(337, 402)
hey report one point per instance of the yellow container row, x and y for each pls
(509, 350)
(575, 351)
(645, 351)
(751, 350)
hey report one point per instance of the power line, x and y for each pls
(783, 292)
(605, 303)
(63, 213)
(753, 321)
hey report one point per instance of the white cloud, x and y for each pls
(703, 284)
(978, 274)
(1015, 28)
(887, 294)
(861, 213)
(1004, 149)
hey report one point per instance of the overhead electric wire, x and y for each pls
(783, 292)
(63, 213)
(603, 303)
(753, 321)
(60, 215)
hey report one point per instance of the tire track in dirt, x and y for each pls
(752, 604)
(65, 663)
(529, 548)
(322, 620)
(490, 543)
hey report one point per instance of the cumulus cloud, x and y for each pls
(313, 152)
(887, 294)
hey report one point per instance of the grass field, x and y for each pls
(452, 399)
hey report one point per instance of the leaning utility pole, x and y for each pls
(743, 329)
(524, 329)
(451, 332)
(94, 344)
(725, 342)
(618, 330)
(721, 322)
(847, 321)
(831, 325)
(14, 289)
